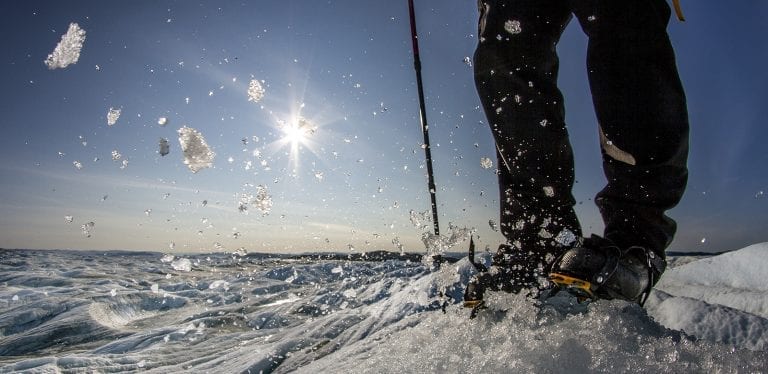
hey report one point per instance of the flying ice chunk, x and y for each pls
(197, 154)
(67, 52)
(87, 228)
(162, 121)
(513, 27)
(113, 115)
(486, 163)
(262, 200)
(164, 147)
(255, 91)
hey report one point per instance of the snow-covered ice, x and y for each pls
(81, 311)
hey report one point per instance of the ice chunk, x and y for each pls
(197, 154)
(67, 52)
(262, 201)
(255, 91)
(182, 264)
(87, 228)
(162, 121)
(113, 115)
(486, 163)
(164, 147)
(69, 218)
(513, 27)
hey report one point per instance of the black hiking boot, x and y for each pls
(600, 270)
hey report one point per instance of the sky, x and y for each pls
(357, 181)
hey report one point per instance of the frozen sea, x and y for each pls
(93, 312)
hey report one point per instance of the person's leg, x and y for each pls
(641, 109)
(516, 74)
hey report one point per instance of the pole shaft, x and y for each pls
(423, 117)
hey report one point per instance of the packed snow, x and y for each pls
(67, 52)
(77, 311)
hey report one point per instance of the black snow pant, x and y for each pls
(640, 107)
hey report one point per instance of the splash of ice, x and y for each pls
(197, 154)
(439, 244)
(420, 220)
(255, 91)
(113, 115)
(67, 52)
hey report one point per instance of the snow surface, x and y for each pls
(76, 311)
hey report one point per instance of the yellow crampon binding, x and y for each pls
(580, 288)
(678, 10)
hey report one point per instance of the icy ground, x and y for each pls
(70, 311)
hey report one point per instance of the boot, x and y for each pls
(600, 270)
(512, 271)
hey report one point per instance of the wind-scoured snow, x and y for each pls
(73, 311)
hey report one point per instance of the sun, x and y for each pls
(297, 134)
(297, 131)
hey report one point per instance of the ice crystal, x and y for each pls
(513, 27)
(197, 154)
(87, 228)
(255, 91)
(486, 163)
(113, 115)
(67, 52)
(182, 264)
(164, 147)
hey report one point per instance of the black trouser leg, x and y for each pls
(516, 74)
(641, 109)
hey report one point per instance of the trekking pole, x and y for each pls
(423, 117)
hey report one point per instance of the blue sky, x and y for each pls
(345, 66)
